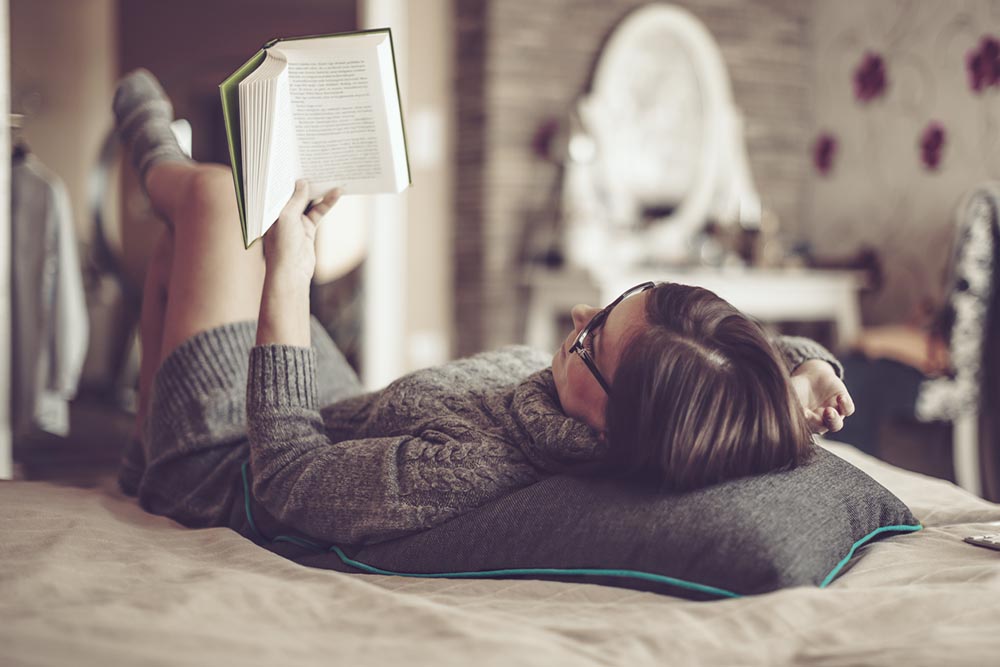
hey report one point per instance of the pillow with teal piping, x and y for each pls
(747, 536)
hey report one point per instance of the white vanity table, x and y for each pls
(768, 295)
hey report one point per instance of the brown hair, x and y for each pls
(701, 396)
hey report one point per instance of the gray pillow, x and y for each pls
(746, 536)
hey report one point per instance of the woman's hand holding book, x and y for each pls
(290, 258)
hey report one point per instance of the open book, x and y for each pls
(325, 108)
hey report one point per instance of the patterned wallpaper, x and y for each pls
(899, 133)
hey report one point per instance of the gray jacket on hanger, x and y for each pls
(50, 325)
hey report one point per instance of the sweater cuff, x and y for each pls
(798, 350)
(281, 376)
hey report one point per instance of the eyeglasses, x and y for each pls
(580, 344)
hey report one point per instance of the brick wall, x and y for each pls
(520, 62)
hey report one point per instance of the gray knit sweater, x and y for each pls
(429, 447)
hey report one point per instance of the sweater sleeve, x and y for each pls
(797, 350)
(366, 490)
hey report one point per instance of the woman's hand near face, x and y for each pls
(290, 258)
(824, 398)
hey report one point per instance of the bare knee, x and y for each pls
(209, 190)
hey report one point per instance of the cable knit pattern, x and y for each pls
(430, 446)
(551, 442)
(347, 467)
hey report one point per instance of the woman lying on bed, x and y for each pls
(667, 384)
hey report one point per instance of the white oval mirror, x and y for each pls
(668, 144)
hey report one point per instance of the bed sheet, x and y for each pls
(87, 577)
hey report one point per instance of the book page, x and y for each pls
(229, 91)
(338, 117)
(257, 94)
(283, 166)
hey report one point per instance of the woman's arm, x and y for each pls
(290, 256)
(352, 491)
(817, 378)
(366, 490)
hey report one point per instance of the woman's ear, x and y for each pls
(602, 436)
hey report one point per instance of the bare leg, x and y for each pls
(151, 320)
(209, 279)
(213, 279)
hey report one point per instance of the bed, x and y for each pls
(90, 578)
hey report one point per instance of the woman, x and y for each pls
(668, 383)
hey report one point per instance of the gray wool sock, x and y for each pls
(143, 115)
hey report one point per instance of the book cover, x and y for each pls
(261, 174)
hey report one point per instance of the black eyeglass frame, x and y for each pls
(595, 322)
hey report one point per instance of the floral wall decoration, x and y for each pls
(870, 80)
(932, 145)
(824, 152)
(983, 64)
(545, 140)
(909, 93)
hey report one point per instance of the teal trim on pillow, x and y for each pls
(483, 574)
(599, 572)
(903, 528)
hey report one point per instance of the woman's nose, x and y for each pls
(582, 314)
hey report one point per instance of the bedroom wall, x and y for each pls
(6, 453)
(522, 62)
(63, 63)
(429, 128)
(878, 191)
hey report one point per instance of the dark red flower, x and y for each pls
(932, 143)
(974, 65)
(824, 151)
(543, 143)
(870, 80)
(983, 64)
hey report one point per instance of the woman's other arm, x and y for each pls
(817, 378)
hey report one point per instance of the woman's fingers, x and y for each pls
(321, 206)
(845, 404)
(830, 418)
(833, 420)
(297, 202)
(815, 421)
(824, 420)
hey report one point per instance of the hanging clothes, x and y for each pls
(50, 326)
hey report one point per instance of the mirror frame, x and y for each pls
(722, 181)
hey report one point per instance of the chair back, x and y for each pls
(971, 394)
(989, 406)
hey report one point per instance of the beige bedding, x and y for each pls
(87, 578)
